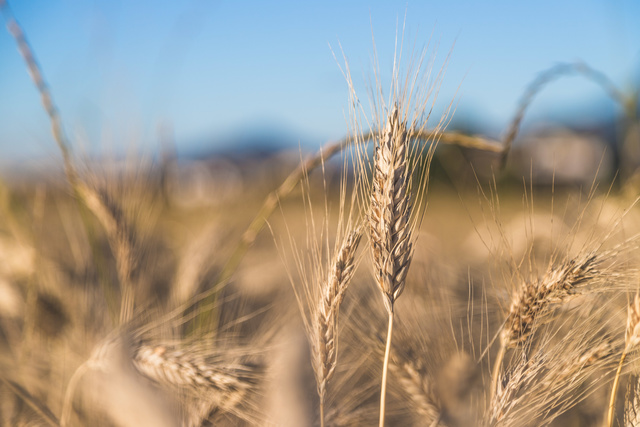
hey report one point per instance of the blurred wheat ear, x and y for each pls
(216, 385)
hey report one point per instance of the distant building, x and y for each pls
(563, 156)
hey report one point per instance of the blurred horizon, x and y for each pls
(216, 76)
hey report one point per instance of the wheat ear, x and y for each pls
(325, 351)
(390, 231)
(534, 300)
(631, 339)
(419, 388)
(540, 386)
(221, 385)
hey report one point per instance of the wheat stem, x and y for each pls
(385, 368)
(631, 339)
(70, 392)
(496, 371)
(614, 391)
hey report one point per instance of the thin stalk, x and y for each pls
(321, 411)
(614, 391)
(385, 368)
(496, 371)
(33, 403)
(67, 404)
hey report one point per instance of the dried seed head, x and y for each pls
(333, 292)
(226, 384)
(534, 299)
(417, 384)
(390, 227)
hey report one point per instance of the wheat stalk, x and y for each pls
(389, 227)
(325, 274)
(535, 299)
(631, 340)
(121, 237)
(545, 78)
(97, 361)
(85, 194)
(390, 211)
(325, 347)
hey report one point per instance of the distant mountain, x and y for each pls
(256, 141)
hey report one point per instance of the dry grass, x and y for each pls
(546, 374)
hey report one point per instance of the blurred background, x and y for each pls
(240, 78)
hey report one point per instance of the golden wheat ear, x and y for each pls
(333, 293)
(535, 299)
(324, 273)
(325, 328)
(389, 227)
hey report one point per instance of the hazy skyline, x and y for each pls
(119, 69)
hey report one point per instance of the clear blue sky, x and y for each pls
(119, 68)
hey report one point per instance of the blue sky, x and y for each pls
(118, 69)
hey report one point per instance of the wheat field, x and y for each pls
(367, 283)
